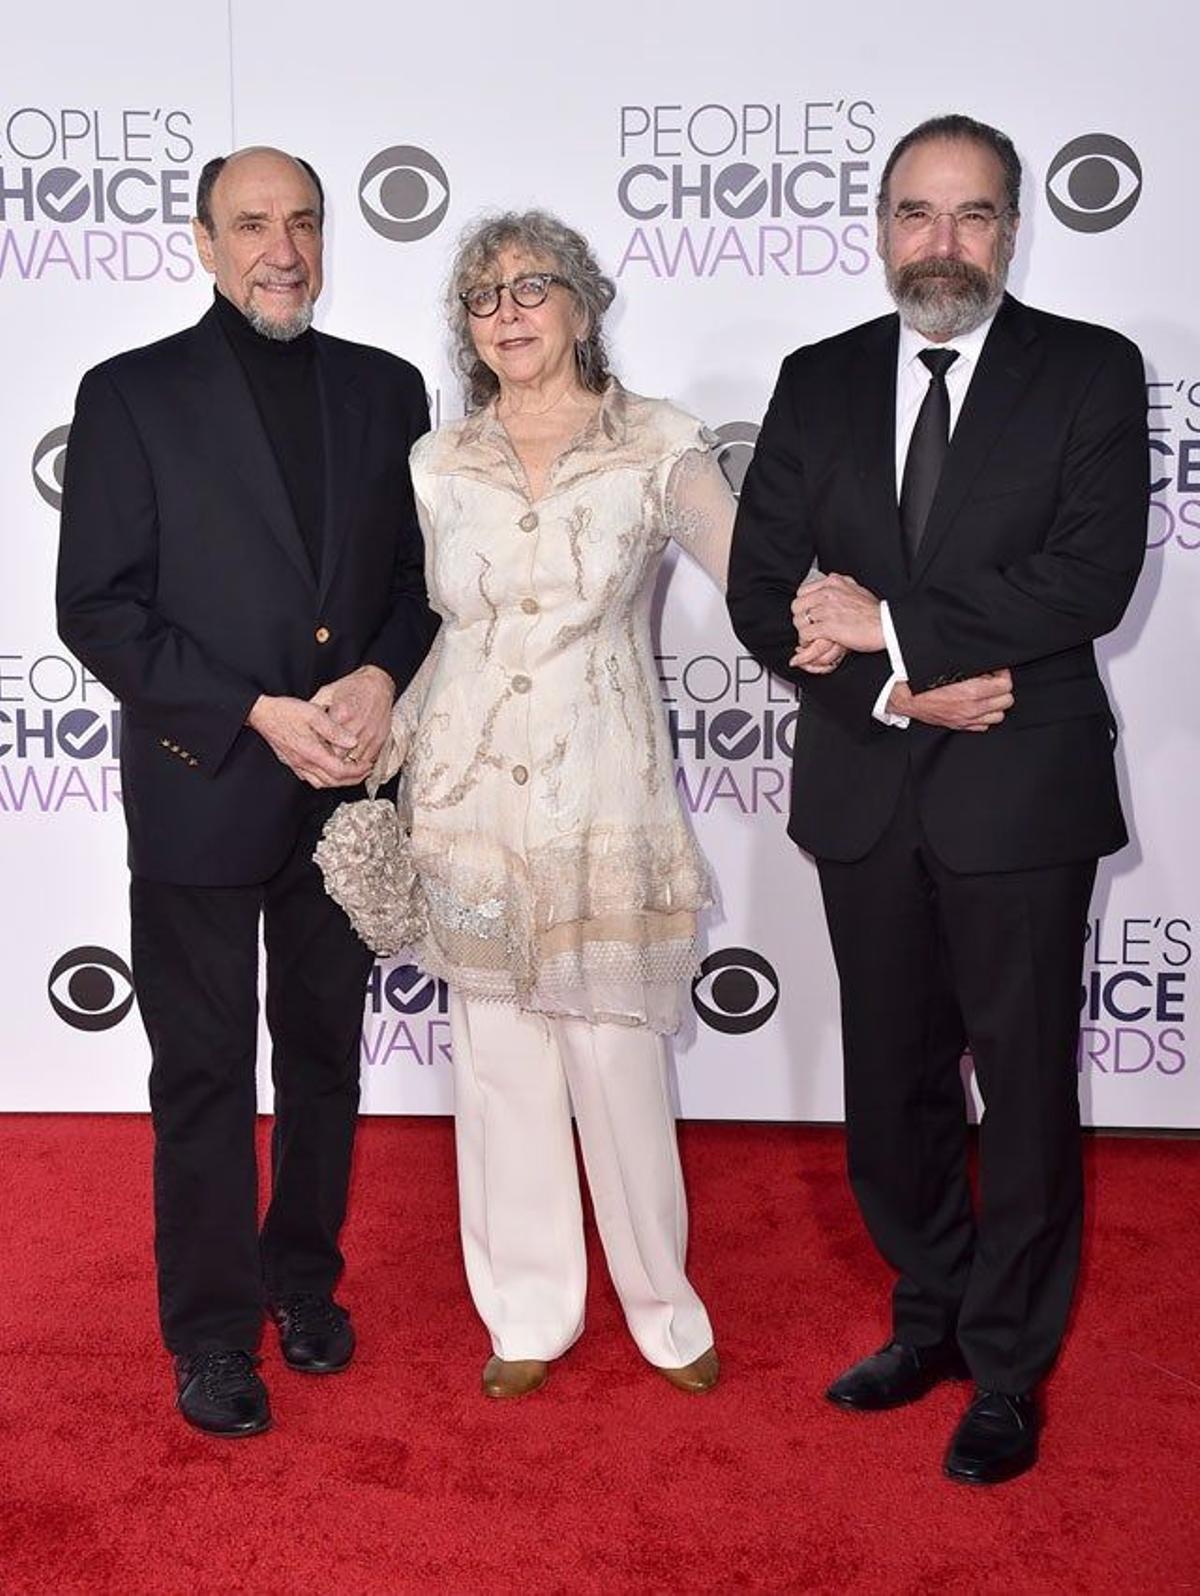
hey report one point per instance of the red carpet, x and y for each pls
(399, 1477)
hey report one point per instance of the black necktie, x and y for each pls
(926, 449)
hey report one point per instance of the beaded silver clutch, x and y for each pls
(365, 855)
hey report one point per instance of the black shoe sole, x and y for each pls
(225, 1435)
(849, 1406)
(844, 1406)
(317, 1368)
(1001, 1476)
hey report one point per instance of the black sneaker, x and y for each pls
(315, 1333)
(220, 1393)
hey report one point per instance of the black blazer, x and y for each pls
(1032, 548)
(184, 584)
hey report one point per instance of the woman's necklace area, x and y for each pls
(509, 414)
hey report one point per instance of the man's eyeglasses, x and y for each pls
(529, 291)
(970, 221)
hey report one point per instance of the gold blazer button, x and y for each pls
(323, 634)
(520, 775)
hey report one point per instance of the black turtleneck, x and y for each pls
(283, 380)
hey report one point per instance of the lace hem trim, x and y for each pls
(604, 982)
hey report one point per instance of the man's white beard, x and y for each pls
(944, 299)
(281, 332)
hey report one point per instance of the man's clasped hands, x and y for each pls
(835, 615)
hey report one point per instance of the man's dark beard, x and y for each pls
(945, 298)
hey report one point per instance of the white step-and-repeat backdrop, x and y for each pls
(723, 162)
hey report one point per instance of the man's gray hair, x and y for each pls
(569, 255)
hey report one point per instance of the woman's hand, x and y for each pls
(360, 705)
(819, 657)
(837, 609)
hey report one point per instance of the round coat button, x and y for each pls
(530, 606)
(520, 775)
(528, 521)
(323, 634)
(521, 684)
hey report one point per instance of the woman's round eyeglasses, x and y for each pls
(529, 291)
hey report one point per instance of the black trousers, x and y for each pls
(195, 967)
(930, 961)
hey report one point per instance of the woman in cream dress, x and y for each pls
(561, 879)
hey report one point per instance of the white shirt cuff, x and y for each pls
(881, 712)
(892, 643)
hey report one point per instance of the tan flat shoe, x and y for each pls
(701, 1375)
(515, 1378)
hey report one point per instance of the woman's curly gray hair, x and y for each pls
(545, 238)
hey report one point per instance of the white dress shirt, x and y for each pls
(912, 383)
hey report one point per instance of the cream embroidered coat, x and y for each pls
(559, 871)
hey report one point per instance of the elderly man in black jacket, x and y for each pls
(972, 475)
(241, 565)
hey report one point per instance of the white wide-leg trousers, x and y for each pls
(517, 1076)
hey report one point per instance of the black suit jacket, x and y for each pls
(1031, 551)
(184, 584)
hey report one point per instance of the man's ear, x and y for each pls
(204, 246)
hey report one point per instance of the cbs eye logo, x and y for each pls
(404, 193)
(736, 991)
(49, 462)
(91, 989)
(1093, 183)
(735, 450)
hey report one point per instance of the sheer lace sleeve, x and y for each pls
(700, 507)
(406, 711)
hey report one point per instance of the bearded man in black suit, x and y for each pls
(241, 565)
(972, 475)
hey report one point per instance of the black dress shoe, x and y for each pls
(219, 1392)
(896, 1374)
(315, 1333)
(996, 1439)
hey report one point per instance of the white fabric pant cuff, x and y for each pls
(517, 1076)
